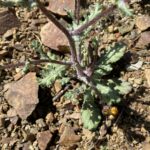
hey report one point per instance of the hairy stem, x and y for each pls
(77, 10)
(75, 62)
(49, 15)
(105, 12)
(35, 62)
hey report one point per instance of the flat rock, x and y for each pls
(69, 137)
(8, 20)
(3, 53)
(144, 40)
(53, 38)
(22, 95)
(59, 6)
(147, 75)
(44, 139)
(143, 22)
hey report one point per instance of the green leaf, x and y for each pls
(103, 70)
(109, 95)
(124, 7)
(90, 112)
(51, 73)
(122, 87)
(113, 54)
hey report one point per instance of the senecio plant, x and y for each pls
(86, 65)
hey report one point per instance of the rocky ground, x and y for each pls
(30, 120)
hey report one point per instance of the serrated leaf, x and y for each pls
(51, 73)
(108, 94)
(103, 70)
(90, 112)
(121, 86)
(113, 54)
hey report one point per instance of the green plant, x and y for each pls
(85, 64)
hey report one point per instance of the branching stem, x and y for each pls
(105, 12)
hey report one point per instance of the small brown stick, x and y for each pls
(61, 92)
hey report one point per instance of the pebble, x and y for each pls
(49, 118)
(110, 28)
(40, 122)
(138, 81)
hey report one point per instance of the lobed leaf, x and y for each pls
(90, 112)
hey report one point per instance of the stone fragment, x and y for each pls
(40, 122)
(143, 22)
(8, 34)
(3, 53)
(8, 20)
(2, 121)
(146, 146)
(60, 6)
(74, 115)
(44, 139)
(127, 27)
(103, 130)
(49, 118)
(144, 40)
(12, 115)
(147, 75)
(22, 95)
(69, 137)
(53, 38)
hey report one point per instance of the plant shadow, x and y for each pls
(131, 121)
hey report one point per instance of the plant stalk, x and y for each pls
(105, 12)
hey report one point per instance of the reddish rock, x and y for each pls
(69, 137)
(22, 95)
(8, 20)
(44, 139)
(59, 6)
(143, 22)
(144, 40)
(52, 37)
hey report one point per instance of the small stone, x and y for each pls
(111, 29)
(146, 146)
(69, 137)
(40, 122)
(49, 118)
(3, 53)
(2, 121)
(74, 115)
(88, 134)
(103, 130)
(8, 34)
(147, 75)
(138, 81)
(108, 123)
(143, 130)
(143, 22)
(127, 27)
(59, 6)
(57, 86)
(144, 40)
(43, 139)
(12, 115)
